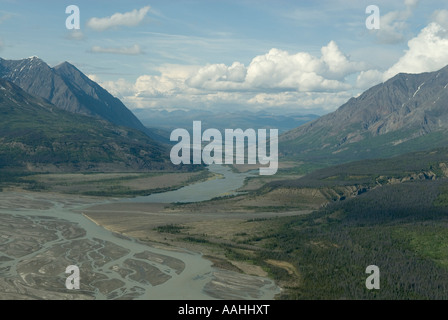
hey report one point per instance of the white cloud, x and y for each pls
(278, 79)
(75, 35)
(119, 88)
(411, 3)
(134, 50)
(284, 80)
(369, 78)
(337, 63)
(128, 19)
(279, 70)
(93, 77)
(157, 86)
(219, 77)
(428, 51)
(171, 81)
(275, 79)
(441, 17)
(300, 100)
(394, 24)
(392, 28)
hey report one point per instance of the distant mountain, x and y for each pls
(169, 120)
(69, 89)
(406, 113)
(37, 136)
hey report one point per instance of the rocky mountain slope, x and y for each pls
(37, 136)
(69, 89)
(407, 113)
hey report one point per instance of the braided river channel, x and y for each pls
(41, 234)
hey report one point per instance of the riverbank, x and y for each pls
(224, 235)
(204, 221)
(120, 185)
(44, 235)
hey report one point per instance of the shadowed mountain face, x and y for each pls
(37, 136)
(69, 89)
(406, 113)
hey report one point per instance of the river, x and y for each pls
(185, 273)
(228, 182)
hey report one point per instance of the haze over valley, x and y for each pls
(87, 177)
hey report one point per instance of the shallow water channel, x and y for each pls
(40, 236)
(226, 184)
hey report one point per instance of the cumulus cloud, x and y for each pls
(171, 81)
(169, 84)
(134, 50)
(317, 83)
(275, 79)
(157, 86)
(119, 88)
(441, 18)
(279, 70)
(274, 71)
(128, 19)
(394, 24)
(369, 78)
(327, 101)
(337, 63)
(219, 77)
(428, 51)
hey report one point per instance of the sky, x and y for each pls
(279, 56)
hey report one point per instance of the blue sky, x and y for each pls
(281, 56)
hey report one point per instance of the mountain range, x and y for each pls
(37, 136)
(409, 112)
(69, 89)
